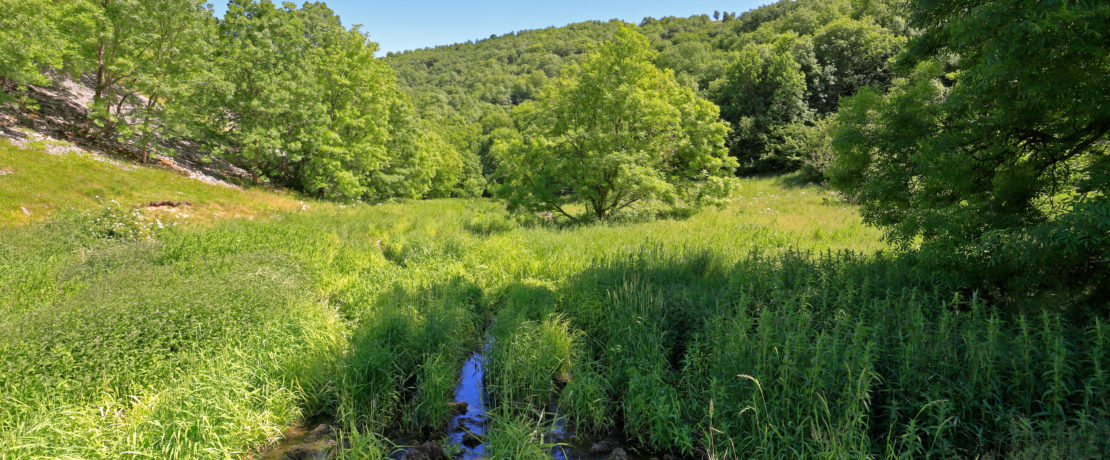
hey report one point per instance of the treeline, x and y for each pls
(974, 133)
(288, 93)
(776, 72)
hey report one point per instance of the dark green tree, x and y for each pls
(994, 148)
(764, 91)
(851, 54)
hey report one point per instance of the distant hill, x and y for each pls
(471, 86)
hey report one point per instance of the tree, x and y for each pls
(301, 100)
(851, 54)
(172, 60)
(260, 111)
(995, 146)
(616, 131)
(31, 40)
(142, 54)
(763, 93)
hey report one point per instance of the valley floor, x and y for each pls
(778, 326)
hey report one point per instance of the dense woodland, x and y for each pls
(820, 228)
(776, 72)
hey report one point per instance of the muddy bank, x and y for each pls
(315, 439)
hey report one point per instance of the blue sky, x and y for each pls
(404, 25)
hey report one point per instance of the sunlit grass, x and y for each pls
(777, 326)
(37, 185)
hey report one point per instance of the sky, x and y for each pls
(401, 25)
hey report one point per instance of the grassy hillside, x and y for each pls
(44, 184)
(771, 327)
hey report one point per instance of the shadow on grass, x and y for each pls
(800, 354)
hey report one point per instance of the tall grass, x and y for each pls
(774, 327)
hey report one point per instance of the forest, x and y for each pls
(815, 229)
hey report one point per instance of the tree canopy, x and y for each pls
(992, 144)
(838, 46)
(613, 132)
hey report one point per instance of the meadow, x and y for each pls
(38, 185)
(776, 326)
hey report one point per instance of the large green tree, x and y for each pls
(764, 92)
(995, 146)
(851, 54)
(616, 131)
(139, 52)
(299, 99)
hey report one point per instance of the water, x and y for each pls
(471, 391)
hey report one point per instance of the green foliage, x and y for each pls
(983, 142)
(489, 224)
(515, 437)
(616, 131)
(327, 117)
(30, 41)
(40, 185)
(526, 359)
(764, 92)
(288, 93)
(143, 56)
(811, 144)
(839, 46)
(851, 54)
(114, 221)
(169, 349)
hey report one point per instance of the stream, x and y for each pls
(466, 431)
(471, 391)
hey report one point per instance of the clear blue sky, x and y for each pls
(403, 25)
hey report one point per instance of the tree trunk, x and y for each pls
(600, 211)
(101, 71)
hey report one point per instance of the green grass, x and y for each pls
(778, 326)
(45, 184)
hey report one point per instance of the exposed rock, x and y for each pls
(315, 451)
(458, 407)
(322, 431)
(471, 440)
(427, 451)
(669, 457)
(59, 127)
(618, 454)
(603, 446)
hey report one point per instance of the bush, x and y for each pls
(113, 221)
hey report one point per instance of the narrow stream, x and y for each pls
(468, 430)
(471, 390)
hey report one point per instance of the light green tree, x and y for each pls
(614, 132)
(31, 41)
